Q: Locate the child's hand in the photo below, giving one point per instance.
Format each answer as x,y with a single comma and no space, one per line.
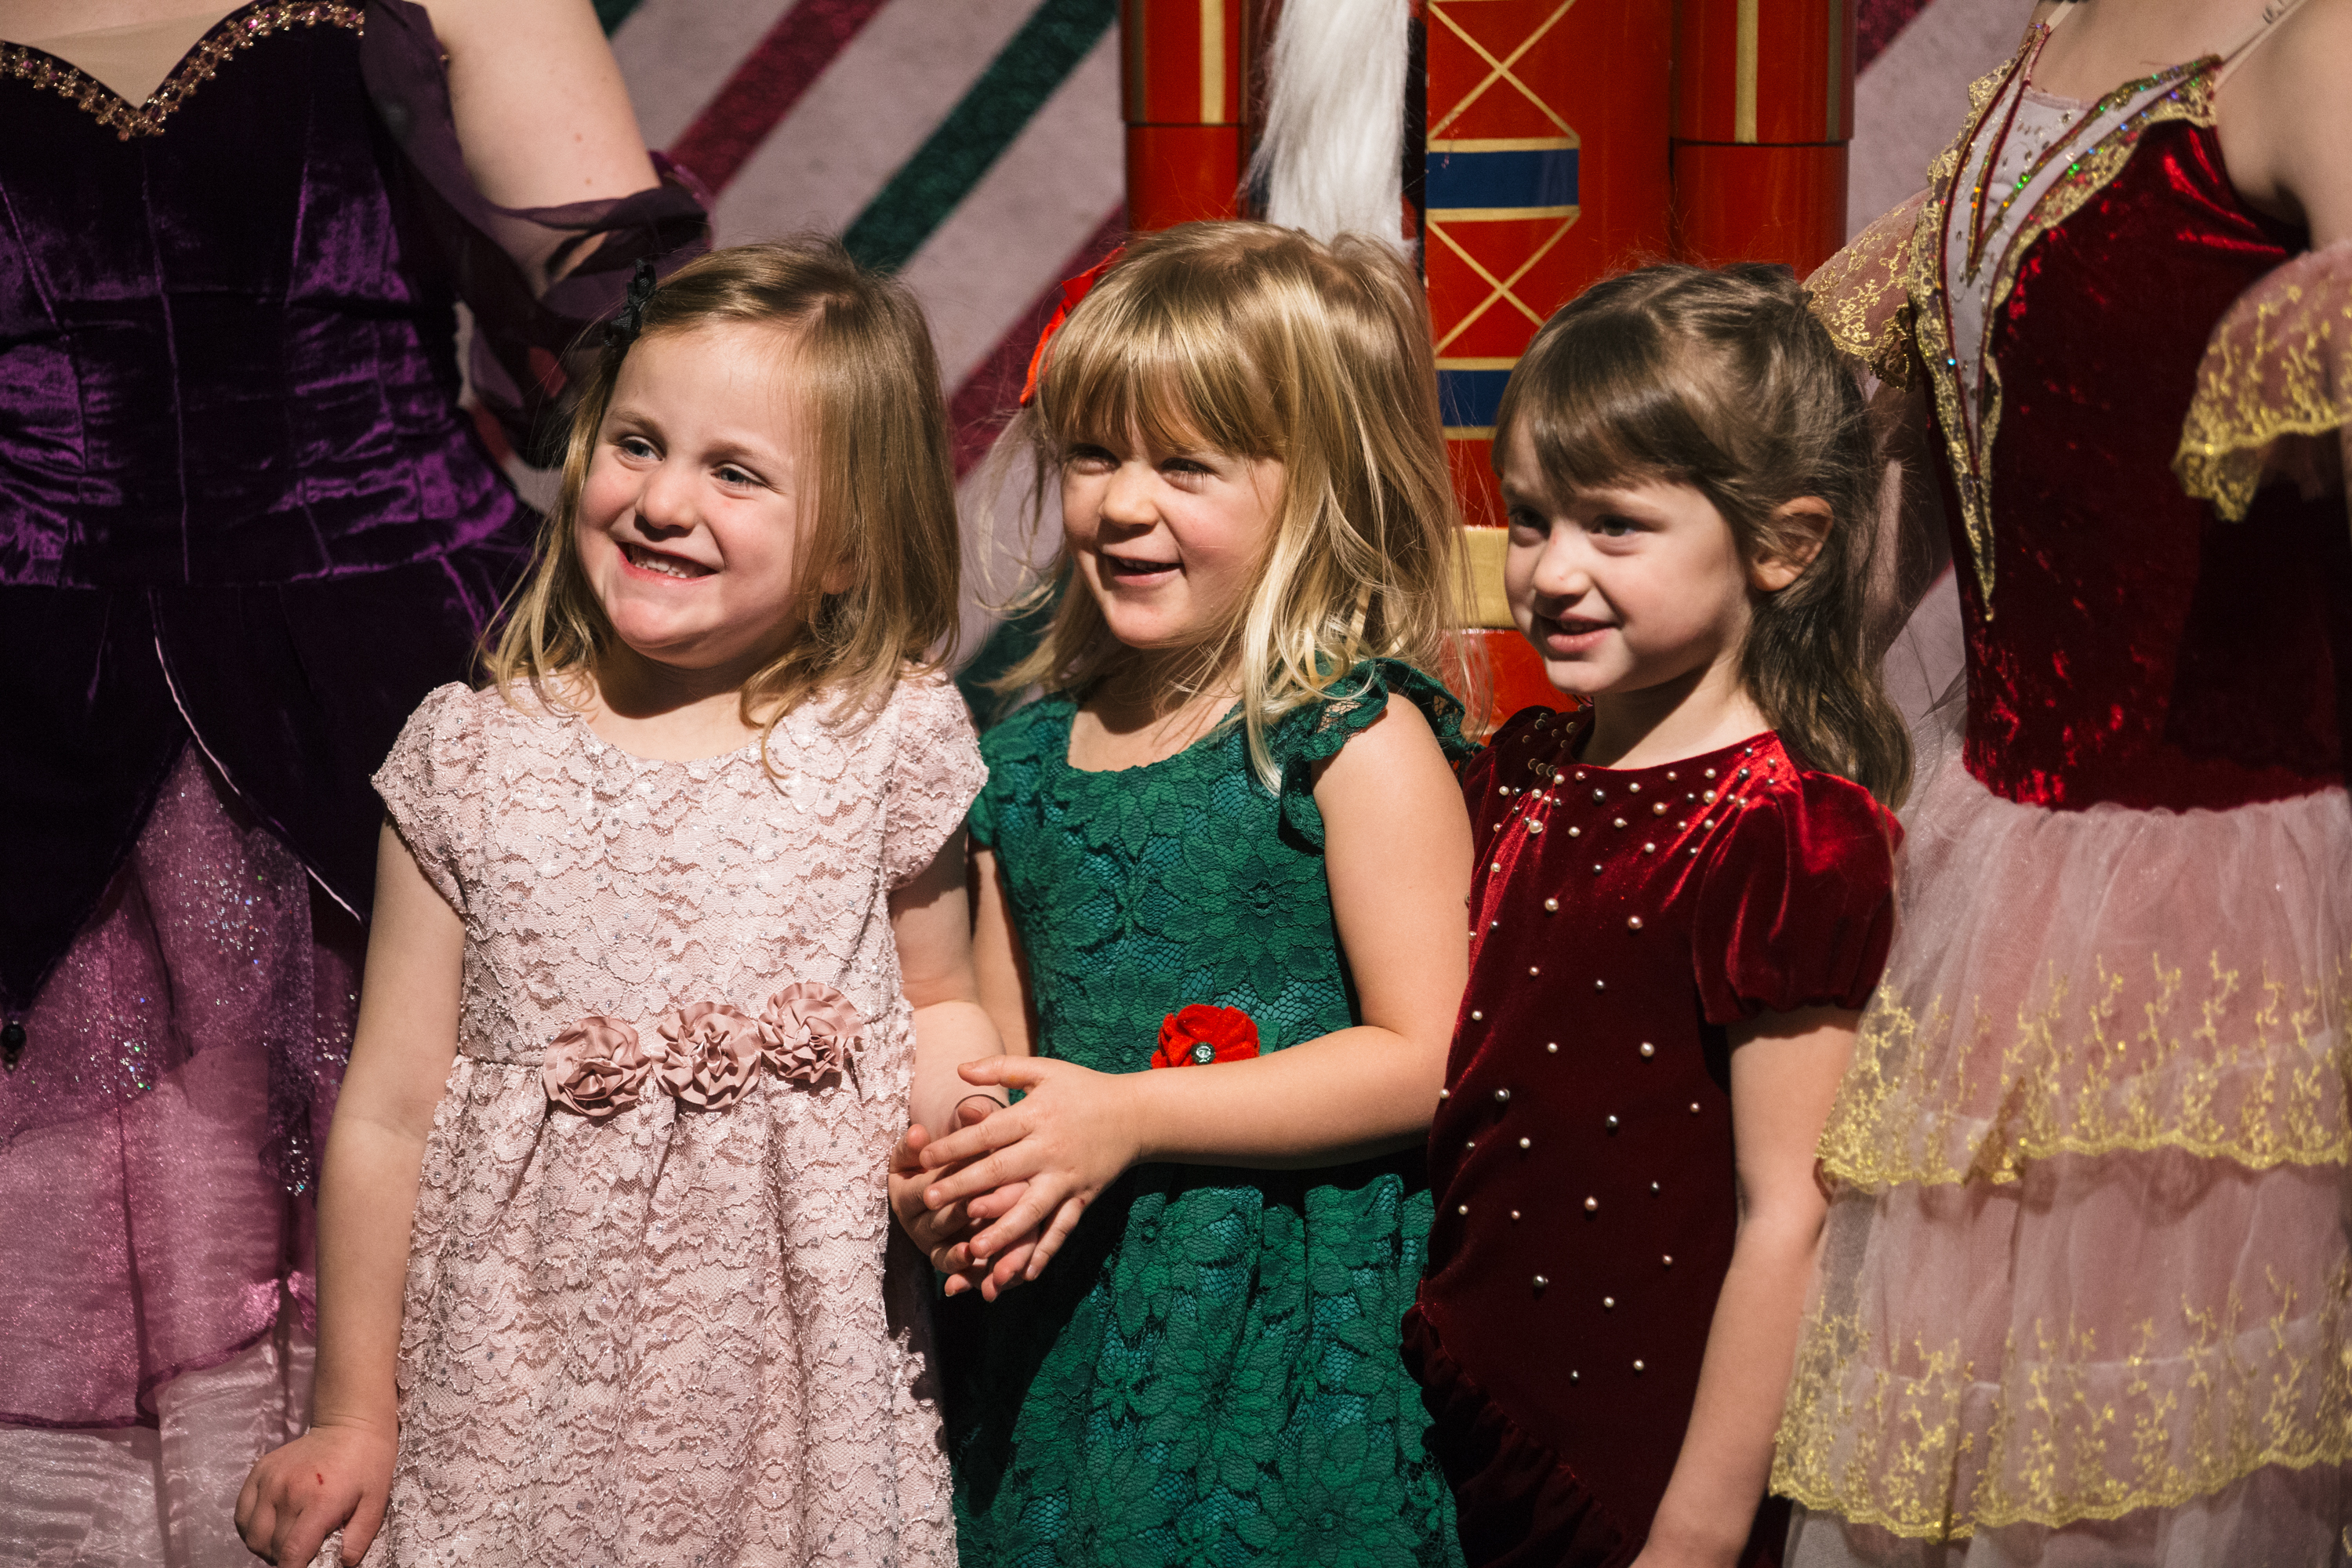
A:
297,1496
1071,1136
940,1233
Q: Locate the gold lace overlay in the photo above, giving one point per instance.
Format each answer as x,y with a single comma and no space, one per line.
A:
2278,365
2087,173
238,30
1859,295
2078,1430
2209,1060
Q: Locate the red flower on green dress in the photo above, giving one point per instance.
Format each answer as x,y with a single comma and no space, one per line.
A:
1200,1034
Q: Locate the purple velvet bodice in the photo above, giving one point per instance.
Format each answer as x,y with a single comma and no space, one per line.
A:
238,495
223,358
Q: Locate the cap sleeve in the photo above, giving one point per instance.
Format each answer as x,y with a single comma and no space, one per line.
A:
1797,908
1315,734
2277,373
427,784
935,773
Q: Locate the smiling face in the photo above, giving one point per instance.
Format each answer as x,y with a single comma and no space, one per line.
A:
1168,542
1624,588
693,522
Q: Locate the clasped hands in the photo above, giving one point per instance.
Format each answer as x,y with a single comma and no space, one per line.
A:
993,1200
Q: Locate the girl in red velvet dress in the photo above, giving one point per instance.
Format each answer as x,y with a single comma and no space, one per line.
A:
2083,1294
1684,894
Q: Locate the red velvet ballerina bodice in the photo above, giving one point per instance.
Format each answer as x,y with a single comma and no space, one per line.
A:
2124,644
1582,1157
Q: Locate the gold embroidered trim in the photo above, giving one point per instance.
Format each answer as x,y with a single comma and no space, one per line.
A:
1859,295
2074,1431
2222,1071
2278,365
2191,98
237,30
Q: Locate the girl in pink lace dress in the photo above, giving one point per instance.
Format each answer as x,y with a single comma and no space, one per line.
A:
670,929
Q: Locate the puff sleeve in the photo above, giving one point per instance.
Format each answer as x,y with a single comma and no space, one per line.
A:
1861,294
429,788
935,773
2276,379
1797,906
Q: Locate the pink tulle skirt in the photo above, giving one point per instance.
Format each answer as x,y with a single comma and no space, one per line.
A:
157,1144
2083,1294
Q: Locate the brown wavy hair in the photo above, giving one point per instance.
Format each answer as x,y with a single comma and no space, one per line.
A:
862,363
1723,380
1262,341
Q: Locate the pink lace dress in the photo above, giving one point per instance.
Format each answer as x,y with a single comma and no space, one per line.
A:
663,1329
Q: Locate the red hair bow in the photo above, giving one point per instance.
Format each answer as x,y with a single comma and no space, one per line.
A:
1073,291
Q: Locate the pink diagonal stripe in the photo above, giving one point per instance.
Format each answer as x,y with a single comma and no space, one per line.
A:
978,409
766,85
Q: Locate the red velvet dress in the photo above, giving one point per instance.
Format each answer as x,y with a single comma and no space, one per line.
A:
2085,1281
1582,1156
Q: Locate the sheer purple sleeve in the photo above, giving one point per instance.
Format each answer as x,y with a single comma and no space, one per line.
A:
535,278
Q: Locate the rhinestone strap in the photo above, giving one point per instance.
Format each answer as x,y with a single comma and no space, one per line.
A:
237,30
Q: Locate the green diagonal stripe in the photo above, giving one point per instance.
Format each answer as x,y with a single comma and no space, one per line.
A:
976,132
613,13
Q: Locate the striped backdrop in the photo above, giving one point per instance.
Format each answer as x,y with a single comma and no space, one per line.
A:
975,146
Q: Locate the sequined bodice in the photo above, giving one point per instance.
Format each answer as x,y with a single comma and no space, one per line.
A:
2124,646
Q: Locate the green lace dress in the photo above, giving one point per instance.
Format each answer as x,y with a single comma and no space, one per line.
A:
1208,1372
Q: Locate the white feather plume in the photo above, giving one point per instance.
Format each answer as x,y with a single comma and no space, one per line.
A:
1332,154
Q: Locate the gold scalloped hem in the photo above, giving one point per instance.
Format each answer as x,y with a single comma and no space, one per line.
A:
1860,295
1917,1107
2061,1440
237,30
2277,367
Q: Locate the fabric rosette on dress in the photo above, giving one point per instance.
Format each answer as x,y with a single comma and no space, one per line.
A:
705,1054
1200,1034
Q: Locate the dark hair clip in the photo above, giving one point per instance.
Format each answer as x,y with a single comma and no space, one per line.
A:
630,319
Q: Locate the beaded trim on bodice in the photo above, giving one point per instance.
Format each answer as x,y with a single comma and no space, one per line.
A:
2046,158
238,30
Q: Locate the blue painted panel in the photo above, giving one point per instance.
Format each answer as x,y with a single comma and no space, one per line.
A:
1469,397
1542,178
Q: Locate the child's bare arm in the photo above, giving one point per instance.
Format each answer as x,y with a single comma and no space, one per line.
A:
1397,847
340,1472
1785,1068
931,920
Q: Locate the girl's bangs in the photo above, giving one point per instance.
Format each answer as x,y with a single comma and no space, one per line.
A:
1602,413
1139,365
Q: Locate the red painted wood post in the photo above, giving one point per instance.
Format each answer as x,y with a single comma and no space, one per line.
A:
1184,95
1763,112
1547,170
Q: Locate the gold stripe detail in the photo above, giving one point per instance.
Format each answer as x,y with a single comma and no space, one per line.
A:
1509,363
1743,97
1485,547
1495,214
1469,432
1132,22
1506,144
1837,98
1213,62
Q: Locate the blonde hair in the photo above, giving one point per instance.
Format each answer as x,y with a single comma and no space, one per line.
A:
1261,342
1723,380
864,370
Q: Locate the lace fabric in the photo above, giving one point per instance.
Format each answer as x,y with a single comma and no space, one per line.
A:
2277,373
668,1334
1209,1372
1861,294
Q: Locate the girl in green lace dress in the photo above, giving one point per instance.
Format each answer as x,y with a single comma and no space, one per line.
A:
1225,844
